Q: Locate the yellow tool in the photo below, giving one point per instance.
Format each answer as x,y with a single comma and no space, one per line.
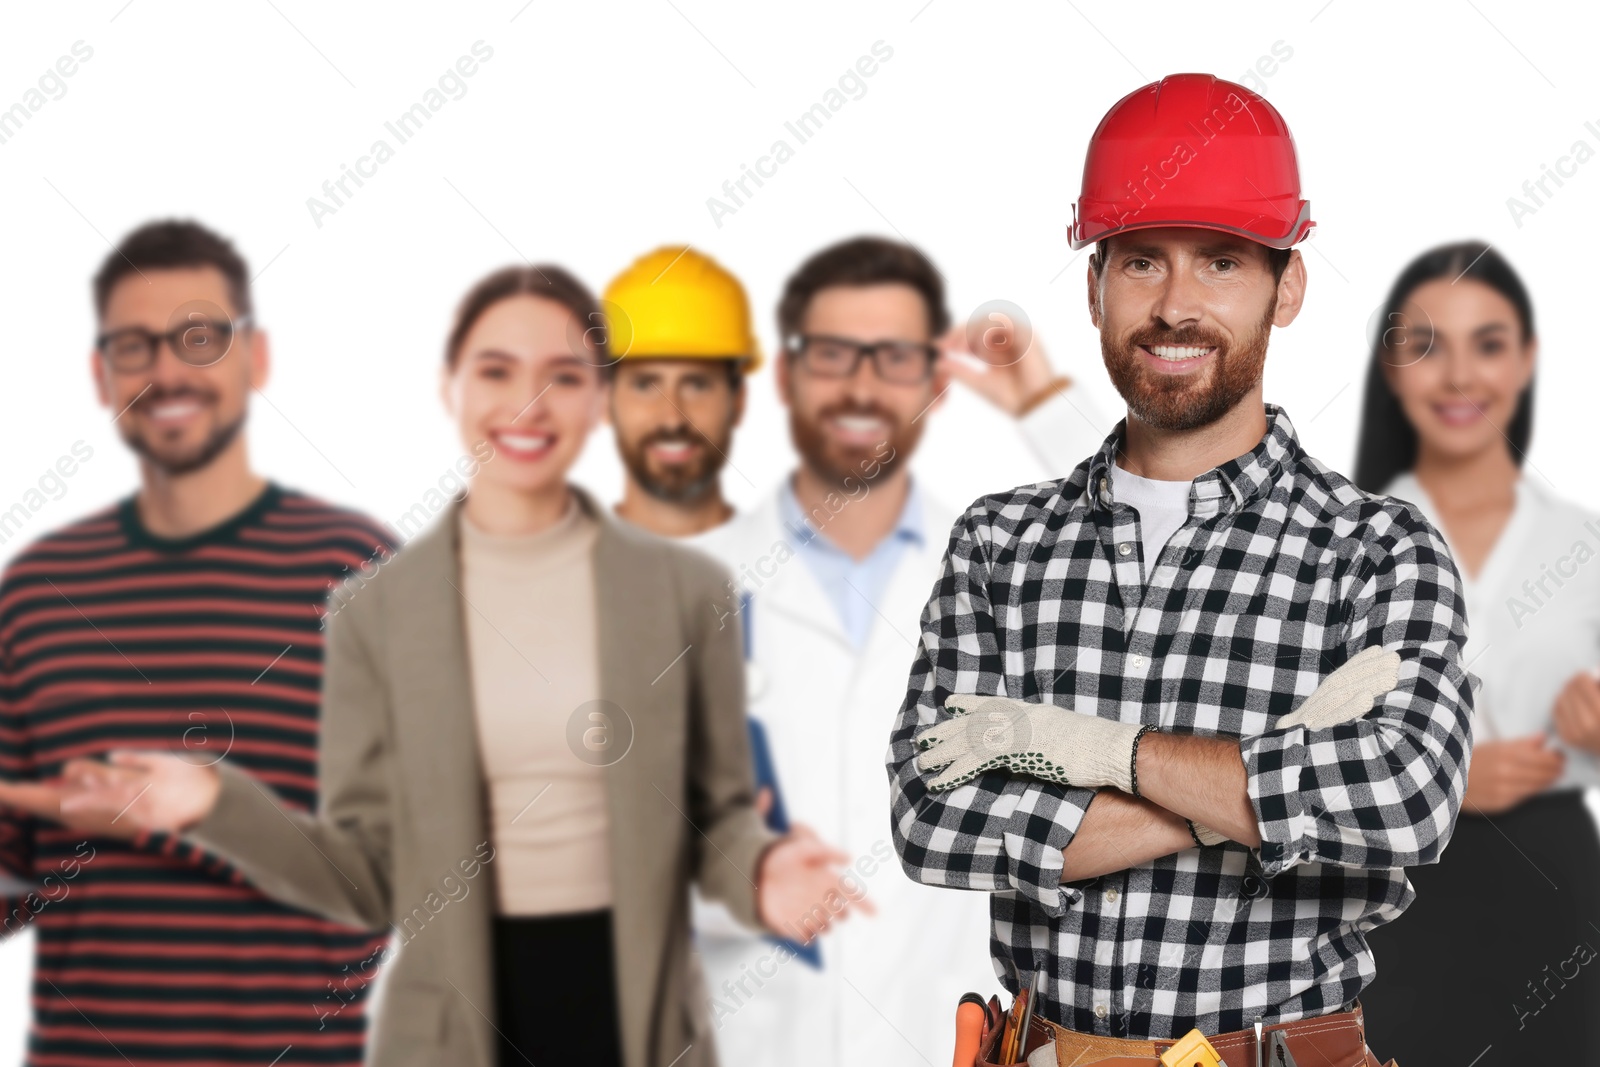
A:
1012,1039
1192,1050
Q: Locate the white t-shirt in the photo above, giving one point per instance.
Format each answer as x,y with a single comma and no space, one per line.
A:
1163,508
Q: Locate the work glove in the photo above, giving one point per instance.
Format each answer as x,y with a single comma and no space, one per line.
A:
1043,741
1060,745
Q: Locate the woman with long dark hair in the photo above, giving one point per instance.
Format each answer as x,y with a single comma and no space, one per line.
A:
1498,940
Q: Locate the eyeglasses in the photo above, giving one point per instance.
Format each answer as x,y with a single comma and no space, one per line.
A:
900,362
199,343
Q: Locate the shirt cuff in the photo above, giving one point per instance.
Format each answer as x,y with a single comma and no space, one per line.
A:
1044,823
1272,766
1059,384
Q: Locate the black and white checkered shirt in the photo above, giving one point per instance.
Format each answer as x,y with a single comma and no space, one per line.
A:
1282,572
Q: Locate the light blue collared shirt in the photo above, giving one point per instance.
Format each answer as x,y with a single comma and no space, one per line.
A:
854,586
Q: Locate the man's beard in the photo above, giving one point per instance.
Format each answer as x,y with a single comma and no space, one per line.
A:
1172,401
683,484
846,466
175,464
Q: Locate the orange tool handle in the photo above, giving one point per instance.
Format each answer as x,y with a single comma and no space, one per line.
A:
971,1020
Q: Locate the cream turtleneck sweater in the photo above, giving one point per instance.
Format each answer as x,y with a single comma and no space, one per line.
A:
533,642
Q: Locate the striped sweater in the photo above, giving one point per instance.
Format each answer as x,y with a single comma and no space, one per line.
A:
153,952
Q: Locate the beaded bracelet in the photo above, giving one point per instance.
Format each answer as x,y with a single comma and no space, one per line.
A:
1133,758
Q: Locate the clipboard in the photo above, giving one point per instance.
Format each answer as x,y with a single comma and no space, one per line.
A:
766,776
777,821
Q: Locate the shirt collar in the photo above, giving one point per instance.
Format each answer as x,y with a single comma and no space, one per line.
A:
134,529
908,527
1239,481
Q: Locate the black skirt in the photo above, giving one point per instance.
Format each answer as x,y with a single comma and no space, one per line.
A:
1501,948
555,991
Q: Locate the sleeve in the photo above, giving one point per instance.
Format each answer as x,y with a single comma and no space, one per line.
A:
1064,429
336,863
1000,832
1382,792
362,545
721,784
17,827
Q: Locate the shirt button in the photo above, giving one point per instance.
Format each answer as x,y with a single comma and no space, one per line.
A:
1099,1011
1111,896
1139,662
1125,549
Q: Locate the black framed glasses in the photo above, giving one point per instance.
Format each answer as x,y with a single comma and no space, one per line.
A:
826,356
200,342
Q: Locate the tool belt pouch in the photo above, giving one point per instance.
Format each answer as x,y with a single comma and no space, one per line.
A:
989,1050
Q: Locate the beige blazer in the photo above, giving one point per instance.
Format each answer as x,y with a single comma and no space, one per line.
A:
401,825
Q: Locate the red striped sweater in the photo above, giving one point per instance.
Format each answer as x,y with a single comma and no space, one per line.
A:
154,952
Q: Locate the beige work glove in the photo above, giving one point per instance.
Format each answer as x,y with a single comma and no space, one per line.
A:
1060,745
1038,740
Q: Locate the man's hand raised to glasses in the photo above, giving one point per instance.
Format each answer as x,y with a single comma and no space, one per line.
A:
1000,359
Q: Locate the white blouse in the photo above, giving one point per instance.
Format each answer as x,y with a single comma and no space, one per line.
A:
1533,615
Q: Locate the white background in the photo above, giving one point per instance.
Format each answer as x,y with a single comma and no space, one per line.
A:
597,132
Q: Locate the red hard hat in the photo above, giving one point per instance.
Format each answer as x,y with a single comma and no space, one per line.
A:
1192,150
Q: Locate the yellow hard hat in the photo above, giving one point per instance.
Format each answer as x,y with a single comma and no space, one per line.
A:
676,303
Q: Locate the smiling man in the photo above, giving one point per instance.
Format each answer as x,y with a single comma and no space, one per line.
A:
1186,714
186,617
682,339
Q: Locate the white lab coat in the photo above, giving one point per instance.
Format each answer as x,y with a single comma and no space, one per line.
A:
889,984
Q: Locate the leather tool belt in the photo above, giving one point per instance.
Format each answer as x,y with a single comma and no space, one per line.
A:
1337,1040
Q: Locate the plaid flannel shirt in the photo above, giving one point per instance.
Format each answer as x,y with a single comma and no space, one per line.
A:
1282,572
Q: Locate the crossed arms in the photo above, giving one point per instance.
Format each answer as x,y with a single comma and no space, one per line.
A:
1381,791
